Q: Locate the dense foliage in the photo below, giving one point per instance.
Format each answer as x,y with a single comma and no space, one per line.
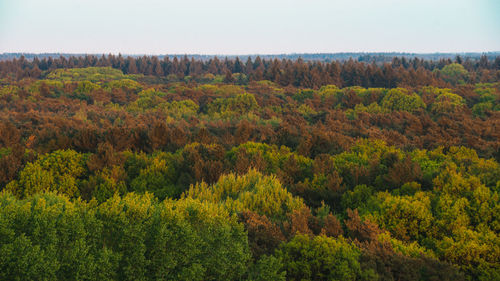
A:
141,169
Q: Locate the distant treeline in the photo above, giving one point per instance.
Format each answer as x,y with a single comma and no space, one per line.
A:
366,71
360,56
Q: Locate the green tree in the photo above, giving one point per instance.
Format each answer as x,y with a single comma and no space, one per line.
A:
454,73
158,177
173,240
267,268
58,171
181,109
401,99
148,99
408,218
228,107
49,237
253,191
322,258
447,102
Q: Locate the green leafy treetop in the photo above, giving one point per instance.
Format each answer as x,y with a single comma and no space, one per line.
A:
454,73
253,191
49,237
322,258
401,99
58,171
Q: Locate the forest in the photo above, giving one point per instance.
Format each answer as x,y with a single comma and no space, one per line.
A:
147,168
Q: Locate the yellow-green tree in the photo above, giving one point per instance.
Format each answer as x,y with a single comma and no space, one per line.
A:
58,171
253,191
322,258
401,99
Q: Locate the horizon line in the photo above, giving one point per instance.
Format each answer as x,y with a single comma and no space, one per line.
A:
254,54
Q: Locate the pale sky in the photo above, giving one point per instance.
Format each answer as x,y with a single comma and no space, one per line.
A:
248,27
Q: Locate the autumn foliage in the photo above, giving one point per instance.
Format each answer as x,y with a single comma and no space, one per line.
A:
118,168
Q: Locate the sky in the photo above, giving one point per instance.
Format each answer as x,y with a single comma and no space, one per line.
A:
236,27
